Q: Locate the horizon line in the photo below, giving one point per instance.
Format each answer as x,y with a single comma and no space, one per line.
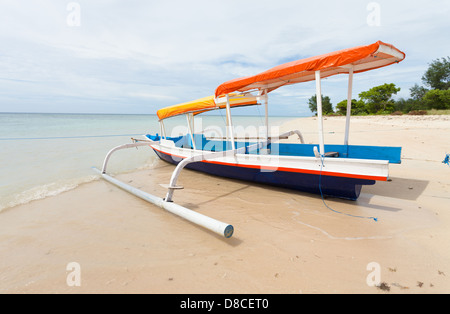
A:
131,114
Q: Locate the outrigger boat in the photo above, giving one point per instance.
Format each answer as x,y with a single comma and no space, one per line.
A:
331,170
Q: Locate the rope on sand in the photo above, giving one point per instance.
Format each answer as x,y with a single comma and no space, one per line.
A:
323,200
446,160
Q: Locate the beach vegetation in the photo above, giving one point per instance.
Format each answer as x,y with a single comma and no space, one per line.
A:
358,107
378,99
418,112
437,75
439,112
433,98
417,92
437,99
327,107
407,105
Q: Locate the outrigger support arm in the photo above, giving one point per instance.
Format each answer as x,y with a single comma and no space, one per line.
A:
300,136
283,136
135,144
175,174
205,156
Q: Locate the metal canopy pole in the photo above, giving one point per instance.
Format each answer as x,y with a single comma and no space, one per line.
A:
160,129
191,132
349,105
163,129
319,112
266,103
230,132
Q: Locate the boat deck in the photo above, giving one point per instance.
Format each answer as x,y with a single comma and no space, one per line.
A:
392,154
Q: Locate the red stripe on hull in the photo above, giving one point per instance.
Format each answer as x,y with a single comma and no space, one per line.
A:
286,169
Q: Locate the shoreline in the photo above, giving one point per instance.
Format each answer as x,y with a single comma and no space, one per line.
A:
284,242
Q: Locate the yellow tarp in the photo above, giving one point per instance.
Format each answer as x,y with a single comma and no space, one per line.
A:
204,104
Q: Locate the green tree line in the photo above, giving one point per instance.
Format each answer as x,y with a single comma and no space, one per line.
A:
378,100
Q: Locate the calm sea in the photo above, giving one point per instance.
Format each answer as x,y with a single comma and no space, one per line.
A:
42,155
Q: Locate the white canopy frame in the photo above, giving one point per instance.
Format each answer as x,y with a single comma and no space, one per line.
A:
349,105
320,108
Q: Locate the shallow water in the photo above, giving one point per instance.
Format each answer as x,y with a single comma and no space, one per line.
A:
45,154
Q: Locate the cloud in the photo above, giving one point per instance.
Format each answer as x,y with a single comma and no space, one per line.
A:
141,55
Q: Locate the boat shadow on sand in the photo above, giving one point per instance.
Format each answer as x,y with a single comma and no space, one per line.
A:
400,188
395,188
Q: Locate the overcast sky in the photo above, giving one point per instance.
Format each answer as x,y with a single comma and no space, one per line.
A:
136,56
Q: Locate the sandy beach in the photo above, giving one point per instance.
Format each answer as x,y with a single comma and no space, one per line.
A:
284,242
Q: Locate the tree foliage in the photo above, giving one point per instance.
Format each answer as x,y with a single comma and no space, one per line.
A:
327,106
438,74
437,77
417,92
437,99
378,99
358,107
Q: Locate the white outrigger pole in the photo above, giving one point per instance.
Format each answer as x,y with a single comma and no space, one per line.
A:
209,223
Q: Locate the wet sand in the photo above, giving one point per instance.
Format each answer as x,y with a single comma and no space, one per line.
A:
284,241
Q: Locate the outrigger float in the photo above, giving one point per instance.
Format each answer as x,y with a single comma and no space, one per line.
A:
331,170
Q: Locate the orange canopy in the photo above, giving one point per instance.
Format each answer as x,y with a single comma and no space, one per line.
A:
205,104
362,58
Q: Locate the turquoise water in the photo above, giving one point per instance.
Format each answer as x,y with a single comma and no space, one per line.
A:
45,154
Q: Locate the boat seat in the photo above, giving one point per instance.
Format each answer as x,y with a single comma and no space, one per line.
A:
329,154
332,154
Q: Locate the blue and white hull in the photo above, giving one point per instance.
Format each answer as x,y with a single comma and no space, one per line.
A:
330,176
